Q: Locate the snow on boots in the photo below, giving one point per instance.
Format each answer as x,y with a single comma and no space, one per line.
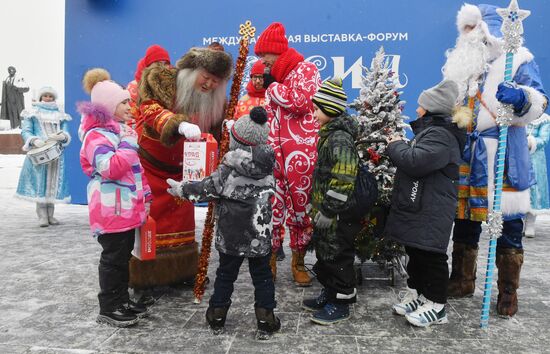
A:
268,323
215,316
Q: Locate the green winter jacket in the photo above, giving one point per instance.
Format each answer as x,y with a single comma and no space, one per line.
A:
334,178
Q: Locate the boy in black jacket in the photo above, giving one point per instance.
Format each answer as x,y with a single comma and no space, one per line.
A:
424,202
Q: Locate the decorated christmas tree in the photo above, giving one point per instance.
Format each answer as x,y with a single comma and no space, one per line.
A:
379,113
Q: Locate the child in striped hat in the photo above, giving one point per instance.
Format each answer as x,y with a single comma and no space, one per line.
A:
334,228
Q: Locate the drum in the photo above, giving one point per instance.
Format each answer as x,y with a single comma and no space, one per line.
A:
45,154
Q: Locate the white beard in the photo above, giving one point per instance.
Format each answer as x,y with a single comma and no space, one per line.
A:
203,108
467,61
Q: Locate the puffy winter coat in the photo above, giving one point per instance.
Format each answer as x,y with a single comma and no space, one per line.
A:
334,179
425,191
243,185
117,191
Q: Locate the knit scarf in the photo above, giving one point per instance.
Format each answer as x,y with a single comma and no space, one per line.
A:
252,92
285,63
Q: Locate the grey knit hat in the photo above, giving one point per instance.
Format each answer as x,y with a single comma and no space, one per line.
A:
250,130
440,98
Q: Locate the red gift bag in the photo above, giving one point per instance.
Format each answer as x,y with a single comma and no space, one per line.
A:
200,158
145,245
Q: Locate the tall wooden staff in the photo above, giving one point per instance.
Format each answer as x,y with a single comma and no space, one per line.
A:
246,31
512,29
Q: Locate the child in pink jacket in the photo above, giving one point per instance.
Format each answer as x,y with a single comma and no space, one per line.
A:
118,194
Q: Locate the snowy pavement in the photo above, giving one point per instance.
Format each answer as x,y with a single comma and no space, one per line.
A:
48,301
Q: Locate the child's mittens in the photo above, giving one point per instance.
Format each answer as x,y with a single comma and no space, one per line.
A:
175,188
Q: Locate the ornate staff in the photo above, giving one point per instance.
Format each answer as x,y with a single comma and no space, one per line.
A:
512,29
246,31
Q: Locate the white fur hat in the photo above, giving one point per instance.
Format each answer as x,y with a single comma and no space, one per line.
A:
468,15
46,89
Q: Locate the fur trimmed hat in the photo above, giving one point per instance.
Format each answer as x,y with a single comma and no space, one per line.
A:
272,40
46,89
250,130
103,91
216,62
440,98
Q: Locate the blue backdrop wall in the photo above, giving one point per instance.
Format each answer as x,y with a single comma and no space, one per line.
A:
339,36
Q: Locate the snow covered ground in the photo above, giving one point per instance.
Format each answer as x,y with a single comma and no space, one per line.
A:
48,301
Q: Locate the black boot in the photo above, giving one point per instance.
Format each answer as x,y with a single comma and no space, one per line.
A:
121,317
215,316
138,309
268,323
145,297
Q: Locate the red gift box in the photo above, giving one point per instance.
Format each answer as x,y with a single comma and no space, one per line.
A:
200,158
145,244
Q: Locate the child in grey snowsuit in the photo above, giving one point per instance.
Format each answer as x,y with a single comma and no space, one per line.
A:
243,186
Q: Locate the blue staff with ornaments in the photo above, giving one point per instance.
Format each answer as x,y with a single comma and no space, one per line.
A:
512,30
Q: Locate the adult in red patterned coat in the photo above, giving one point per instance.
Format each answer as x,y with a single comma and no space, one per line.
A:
291,84
256,91
162,132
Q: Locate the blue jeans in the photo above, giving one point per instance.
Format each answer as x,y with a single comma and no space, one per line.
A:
227,273
468,232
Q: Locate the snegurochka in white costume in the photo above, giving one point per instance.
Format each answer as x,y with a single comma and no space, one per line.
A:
477,64
44,184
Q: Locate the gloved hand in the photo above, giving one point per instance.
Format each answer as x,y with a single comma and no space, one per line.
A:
38,143
322,221
229,123
189,131
59,136
531,143
175,187
509,92
268,80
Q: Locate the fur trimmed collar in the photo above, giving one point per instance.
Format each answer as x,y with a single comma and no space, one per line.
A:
96,116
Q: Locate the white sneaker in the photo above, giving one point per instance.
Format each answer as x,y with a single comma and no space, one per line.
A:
427,315
410,301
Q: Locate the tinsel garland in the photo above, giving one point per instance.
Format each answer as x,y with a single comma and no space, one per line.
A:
208,230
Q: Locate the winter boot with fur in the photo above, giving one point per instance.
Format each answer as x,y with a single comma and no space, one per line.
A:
268,323
509,262
273,265
529,229
42,212
51,219
462,282
215,316
299,272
